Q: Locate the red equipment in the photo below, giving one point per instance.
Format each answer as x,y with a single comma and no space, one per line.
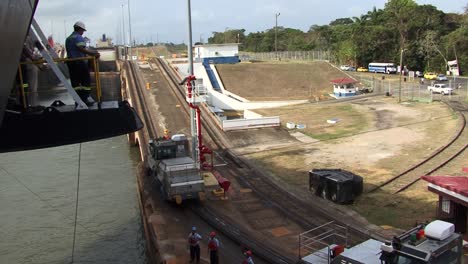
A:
223,182
202,149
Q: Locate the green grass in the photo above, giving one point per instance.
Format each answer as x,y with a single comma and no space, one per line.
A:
351,122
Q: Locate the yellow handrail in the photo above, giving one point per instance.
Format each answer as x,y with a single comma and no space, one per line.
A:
98,79
96,72
22,93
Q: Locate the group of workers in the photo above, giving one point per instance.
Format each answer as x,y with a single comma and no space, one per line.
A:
194,239
79,69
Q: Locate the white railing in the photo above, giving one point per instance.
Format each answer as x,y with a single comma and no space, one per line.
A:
239,124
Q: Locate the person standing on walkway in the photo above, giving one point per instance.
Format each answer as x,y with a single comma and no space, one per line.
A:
213,247
194,244
79,69
31,70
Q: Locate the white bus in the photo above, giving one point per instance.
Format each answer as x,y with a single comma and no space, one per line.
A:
382,67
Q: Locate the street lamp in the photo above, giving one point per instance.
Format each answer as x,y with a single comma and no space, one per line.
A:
276,35
123,24
193,124
225,30
130,29
401,70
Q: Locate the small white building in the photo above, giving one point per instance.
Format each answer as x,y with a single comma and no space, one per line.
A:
344,87
217,53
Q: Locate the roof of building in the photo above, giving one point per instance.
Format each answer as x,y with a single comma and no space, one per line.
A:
217,44
344,80
457,184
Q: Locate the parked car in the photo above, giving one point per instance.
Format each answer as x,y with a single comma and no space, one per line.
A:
344,67
418,74
441,77
430,75
362,69
351,68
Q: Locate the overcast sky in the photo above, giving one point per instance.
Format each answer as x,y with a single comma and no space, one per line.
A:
166,20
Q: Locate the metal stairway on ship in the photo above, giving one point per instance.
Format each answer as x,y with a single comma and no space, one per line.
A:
57,123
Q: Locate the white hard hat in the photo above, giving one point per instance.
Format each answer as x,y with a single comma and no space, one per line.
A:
80,25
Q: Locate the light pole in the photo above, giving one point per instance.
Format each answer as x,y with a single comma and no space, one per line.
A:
130,29
225,30
401,70
276,35
123,24
193,124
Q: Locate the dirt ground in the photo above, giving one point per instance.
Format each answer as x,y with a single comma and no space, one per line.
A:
374,138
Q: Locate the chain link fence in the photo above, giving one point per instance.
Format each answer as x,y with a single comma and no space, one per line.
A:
286,55
413,89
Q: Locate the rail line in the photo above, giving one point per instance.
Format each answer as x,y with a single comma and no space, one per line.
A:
435,169
412,180
304,214
137,84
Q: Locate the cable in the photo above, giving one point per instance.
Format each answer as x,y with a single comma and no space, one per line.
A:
76,203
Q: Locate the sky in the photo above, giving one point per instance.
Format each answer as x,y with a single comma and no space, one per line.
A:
166,21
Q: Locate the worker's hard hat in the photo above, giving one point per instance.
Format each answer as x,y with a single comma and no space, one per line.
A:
213,234
194,228
80,25
166,130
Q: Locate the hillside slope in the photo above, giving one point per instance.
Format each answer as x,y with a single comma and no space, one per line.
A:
279,81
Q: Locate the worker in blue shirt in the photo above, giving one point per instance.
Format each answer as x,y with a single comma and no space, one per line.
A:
194,245
79,69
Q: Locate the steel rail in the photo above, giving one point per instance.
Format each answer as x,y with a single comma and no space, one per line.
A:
434,169
433,155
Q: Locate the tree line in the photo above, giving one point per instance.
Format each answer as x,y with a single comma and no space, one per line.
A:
424,36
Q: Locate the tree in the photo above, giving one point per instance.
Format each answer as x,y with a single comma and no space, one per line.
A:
341,21
400,14
217,38
429,37
252,41
430,47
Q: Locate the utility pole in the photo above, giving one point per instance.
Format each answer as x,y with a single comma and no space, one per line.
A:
401,70
276,35
225,30
130,29
123,27
193,125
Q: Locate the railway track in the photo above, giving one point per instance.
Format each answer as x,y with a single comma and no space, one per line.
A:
137,84
268,193
439,158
